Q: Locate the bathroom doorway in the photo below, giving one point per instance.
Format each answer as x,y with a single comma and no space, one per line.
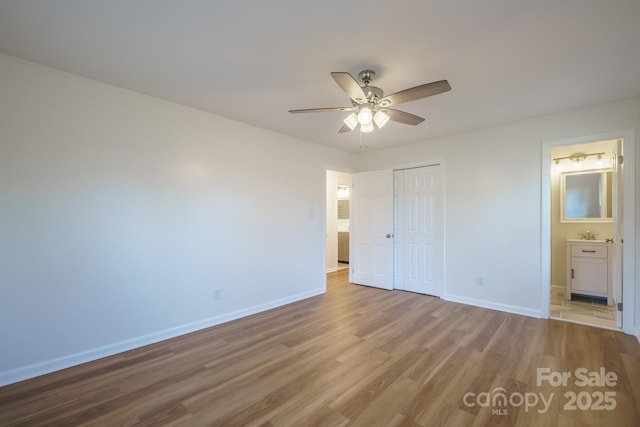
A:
585,239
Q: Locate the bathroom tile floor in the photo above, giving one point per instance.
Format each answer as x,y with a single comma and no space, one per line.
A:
588,312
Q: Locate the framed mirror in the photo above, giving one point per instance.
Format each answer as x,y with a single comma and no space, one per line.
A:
586,196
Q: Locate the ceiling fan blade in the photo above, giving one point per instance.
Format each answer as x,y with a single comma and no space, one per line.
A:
322,110
418,92
403,117
350,86
345,129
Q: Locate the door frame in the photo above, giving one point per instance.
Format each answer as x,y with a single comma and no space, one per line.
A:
628,217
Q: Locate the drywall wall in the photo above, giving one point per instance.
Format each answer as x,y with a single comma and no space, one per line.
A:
493,200
120,214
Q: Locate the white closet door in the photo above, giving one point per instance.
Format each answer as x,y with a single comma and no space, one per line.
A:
422,230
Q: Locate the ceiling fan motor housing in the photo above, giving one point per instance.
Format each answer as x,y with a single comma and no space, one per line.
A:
366,76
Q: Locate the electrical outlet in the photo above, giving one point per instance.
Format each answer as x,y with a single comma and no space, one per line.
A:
217,294
479,281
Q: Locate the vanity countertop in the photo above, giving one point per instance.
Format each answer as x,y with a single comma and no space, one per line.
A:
587,241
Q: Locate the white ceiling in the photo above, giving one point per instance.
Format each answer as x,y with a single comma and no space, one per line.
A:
252,60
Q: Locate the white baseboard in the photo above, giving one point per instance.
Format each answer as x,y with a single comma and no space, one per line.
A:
49,366
638,333
494,306
332,270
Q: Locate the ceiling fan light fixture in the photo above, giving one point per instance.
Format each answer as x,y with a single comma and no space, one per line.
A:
366,128
380,118
365,116
369,107
351,121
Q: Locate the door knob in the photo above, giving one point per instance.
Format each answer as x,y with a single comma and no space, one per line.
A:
388,235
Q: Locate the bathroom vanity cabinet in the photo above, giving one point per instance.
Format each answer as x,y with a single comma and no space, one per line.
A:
590,268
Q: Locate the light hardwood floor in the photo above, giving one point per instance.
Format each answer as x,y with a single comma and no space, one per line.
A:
356,356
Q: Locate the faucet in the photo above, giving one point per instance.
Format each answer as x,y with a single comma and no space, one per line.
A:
588,235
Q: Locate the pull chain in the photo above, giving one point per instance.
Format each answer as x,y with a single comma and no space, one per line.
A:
366,141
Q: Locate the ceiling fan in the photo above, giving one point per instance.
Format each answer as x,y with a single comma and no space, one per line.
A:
370,108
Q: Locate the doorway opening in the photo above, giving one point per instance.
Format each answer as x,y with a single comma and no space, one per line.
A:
343,193
586,216
338,220
625,260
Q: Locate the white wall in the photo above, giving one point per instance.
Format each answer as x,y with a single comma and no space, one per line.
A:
493,200
333,180
121,213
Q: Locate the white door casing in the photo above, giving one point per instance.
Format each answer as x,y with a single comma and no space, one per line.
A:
371,234
618,221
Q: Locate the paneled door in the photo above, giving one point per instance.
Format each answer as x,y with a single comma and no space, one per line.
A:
371,234
420,230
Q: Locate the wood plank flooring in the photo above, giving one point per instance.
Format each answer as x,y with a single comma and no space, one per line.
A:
356,356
